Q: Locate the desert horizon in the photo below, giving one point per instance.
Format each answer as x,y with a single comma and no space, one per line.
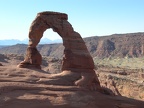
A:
122,79
72,54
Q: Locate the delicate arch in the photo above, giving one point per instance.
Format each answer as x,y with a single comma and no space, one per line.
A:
76,58
76,54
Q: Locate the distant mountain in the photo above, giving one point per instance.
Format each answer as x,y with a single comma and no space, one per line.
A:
2,46
15,41
10,42
48,41
116,45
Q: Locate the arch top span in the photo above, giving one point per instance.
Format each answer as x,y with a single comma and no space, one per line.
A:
59,15
76,57
48,19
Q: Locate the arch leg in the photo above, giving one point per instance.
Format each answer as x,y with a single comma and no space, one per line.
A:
33,58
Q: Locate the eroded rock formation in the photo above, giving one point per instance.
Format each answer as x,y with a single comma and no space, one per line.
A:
77,60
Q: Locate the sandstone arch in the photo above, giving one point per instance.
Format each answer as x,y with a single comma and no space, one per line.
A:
77,61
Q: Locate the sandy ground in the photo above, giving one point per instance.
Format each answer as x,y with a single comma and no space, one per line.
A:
23,88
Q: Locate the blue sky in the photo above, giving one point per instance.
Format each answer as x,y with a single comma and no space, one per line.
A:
88,17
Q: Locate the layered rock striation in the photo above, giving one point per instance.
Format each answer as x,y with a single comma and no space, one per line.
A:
76,59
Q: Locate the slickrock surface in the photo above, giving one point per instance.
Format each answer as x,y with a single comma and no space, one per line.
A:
30,88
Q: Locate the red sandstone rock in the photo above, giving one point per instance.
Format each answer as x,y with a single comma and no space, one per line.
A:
76,55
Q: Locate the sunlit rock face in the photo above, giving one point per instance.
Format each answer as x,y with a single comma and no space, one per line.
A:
76,57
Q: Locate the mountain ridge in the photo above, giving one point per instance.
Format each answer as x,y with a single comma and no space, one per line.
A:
25,41
116,45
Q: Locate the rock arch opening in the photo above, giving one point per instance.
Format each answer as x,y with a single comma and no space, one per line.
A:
77,62
53,44
52,36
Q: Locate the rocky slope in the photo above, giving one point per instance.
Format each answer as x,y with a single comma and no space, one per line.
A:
119,45
29,88
119,81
